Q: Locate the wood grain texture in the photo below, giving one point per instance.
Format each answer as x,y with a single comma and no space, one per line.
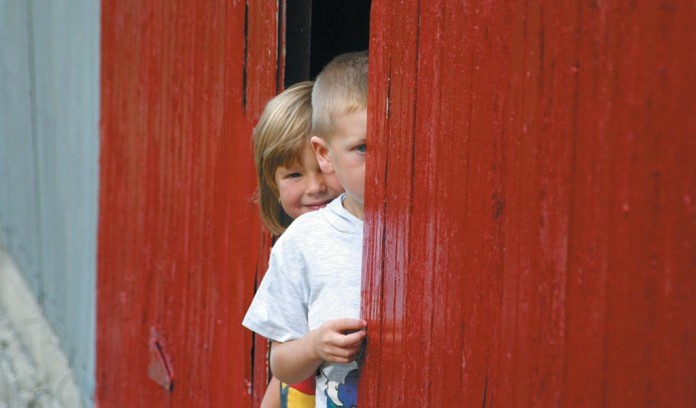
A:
530,225
530,218
180,239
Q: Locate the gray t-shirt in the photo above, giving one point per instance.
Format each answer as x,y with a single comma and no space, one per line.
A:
313,276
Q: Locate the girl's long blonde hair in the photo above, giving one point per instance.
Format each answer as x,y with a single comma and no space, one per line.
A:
280,138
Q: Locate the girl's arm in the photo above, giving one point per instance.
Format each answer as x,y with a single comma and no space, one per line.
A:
271,399
336,341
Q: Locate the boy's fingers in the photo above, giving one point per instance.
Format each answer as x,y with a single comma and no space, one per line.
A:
353,338
342,355
346,324
349,340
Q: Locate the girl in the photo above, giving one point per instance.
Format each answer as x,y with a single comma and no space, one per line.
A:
290,184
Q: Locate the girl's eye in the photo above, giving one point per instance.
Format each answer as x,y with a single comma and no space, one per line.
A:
295,174
361,148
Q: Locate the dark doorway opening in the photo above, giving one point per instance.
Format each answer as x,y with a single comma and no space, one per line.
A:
317,31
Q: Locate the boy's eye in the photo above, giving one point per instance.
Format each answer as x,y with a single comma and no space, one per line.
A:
361,148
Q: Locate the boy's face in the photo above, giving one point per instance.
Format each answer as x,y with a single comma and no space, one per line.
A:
344,155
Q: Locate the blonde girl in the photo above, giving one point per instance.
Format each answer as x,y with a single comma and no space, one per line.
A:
290,184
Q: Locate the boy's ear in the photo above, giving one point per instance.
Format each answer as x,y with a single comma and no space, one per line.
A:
322,152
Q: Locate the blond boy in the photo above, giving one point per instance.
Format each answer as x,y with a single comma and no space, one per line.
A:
309,301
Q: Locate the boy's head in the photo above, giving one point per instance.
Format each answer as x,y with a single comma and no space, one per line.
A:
339,124
290,181
340,88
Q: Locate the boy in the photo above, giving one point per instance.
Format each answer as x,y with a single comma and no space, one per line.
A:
308,303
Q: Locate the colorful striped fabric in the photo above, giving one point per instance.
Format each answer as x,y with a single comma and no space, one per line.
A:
300,395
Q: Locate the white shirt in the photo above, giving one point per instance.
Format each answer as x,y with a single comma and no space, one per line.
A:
313,276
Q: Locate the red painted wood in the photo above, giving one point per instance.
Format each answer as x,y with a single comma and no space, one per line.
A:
530,217
179,238
530,203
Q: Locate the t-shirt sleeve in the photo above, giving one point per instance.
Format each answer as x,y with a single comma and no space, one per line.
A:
279,310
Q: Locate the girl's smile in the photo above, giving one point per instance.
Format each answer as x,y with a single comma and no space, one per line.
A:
303,187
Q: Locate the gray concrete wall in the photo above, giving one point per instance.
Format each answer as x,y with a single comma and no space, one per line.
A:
49,143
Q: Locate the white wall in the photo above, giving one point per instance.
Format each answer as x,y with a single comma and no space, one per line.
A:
49,143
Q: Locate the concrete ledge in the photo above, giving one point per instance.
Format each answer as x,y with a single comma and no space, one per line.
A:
35,332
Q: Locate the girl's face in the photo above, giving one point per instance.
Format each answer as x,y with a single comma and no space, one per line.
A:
303,187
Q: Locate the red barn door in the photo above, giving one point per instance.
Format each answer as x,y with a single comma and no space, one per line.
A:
179,236
531,216
530,226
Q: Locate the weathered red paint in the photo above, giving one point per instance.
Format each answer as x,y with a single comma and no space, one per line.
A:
179,238
160,369
530,216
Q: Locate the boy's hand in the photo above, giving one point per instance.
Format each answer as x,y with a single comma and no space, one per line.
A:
339,340
335,341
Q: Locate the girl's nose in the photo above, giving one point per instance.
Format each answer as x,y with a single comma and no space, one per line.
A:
316,184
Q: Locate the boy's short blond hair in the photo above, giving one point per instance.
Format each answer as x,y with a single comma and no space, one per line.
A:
340,88
280,138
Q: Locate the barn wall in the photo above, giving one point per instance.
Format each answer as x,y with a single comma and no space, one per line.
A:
179,238
530,216
530,220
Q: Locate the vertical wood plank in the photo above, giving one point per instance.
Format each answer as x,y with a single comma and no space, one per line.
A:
536,248
179,233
